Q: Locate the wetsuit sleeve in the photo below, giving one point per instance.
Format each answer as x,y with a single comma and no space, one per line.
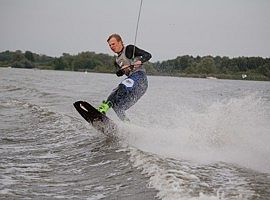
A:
144,55
119,72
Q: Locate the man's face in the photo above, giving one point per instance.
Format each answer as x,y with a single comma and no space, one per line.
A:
115,46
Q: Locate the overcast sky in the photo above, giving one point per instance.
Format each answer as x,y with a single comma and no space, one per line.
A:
167,28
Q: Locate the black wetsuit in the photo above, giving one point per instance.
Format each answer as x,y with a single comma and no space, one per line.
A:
131,89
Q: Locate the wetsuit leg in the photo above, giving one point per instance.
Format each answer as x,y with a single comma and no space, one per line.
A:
128,93
117,98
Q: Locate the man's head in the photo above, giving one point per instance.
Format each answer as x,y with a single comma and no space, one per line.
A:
116,43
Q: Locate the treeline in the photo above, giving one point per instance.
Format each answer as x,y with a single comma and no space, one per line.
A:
252,68
255,68
83,61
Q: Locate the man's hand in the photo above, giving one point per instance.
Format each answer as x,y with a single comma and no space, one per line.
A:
137,64
128,68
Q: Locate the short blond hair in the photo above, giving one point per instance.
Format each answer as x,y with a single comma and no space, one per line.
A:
116,36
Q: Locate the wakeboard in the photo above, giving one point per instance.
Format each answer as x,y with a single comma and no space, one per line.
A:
98,120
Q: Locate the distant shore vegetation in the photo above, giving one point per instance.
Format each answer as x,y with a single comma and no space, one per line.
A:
249,68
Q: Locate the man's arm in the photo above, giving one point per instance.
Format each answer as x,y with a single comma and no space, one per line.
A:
119,71
144,55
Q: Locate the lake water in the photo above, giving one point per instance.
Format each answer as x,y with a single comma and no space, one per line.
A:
188,139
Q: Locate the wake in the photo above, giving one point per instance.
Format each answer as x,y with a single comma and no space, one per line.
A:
231,131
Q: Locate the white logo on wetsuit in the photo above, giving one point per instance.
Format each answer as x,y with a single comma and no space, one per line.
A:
128,82
121,64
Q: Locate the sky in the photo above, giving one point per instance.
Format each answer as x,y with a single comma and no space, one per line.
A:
167,28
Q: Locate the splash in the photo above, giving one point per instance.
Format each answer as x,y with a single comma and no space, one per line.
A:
234,131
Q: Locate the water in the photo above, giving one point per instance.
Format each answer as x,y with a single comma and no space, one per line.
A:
189,139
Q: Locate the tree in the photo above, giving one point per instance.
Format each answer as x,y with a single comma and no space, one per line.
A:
207,66
6,56
182,62
59,64
24,63
18,56
265,70
29,56
68,61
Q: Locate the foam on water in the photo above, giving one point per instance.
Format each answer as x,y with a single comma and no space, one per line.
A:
234,131
183,180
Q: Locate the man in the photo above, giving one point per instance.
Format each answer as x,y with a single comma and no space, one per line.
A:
129,62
